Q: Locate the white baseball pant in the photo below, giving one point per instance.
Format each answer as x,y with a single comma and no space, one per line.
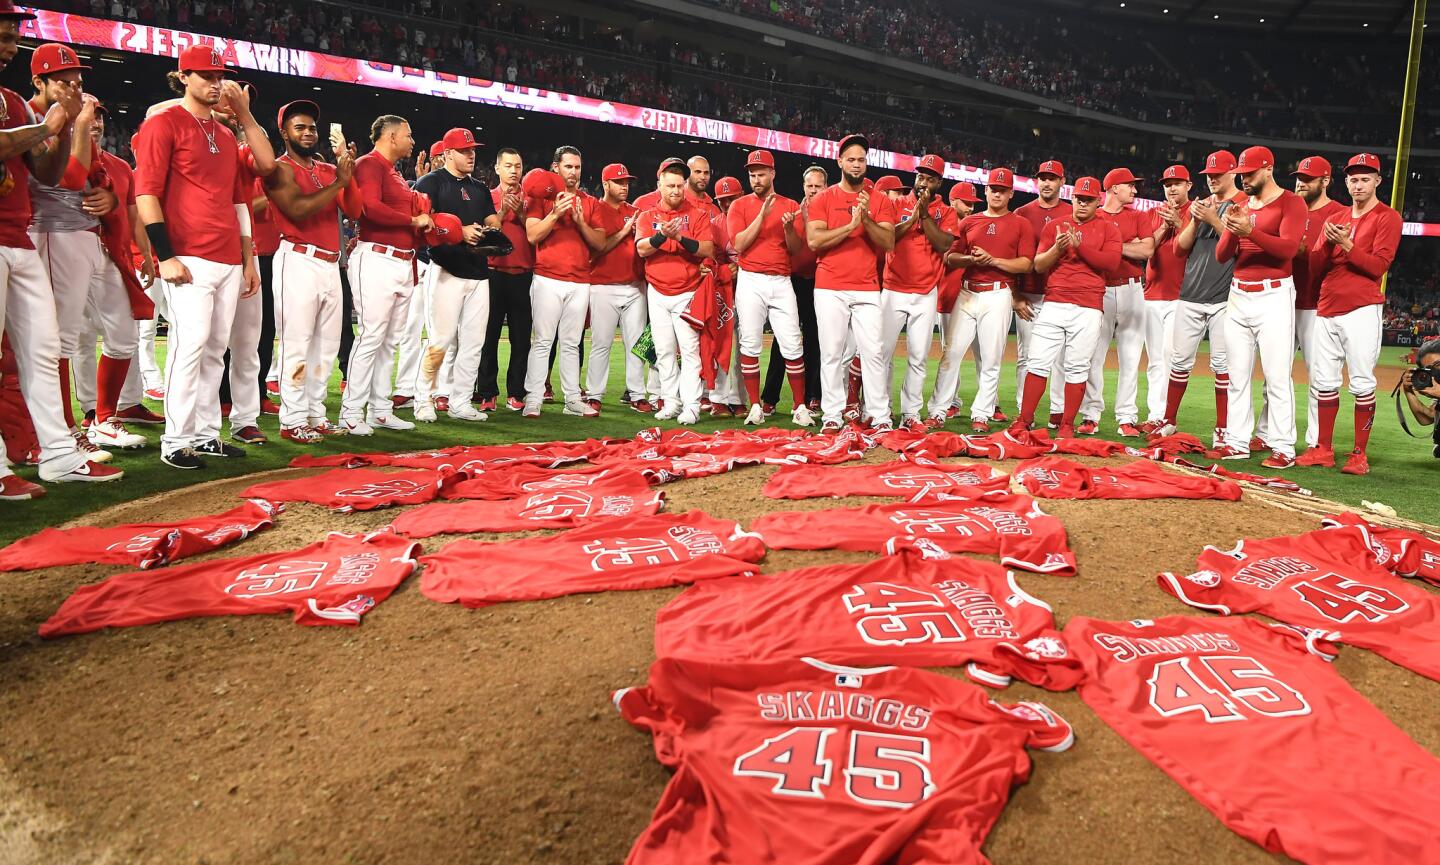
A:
1063,335
1305,320
1159,324
1264,320
1124,318
981,317
152,375
381,286
1351,340
612,306
27,308
916,314
203,312
759,296
84,369
308,307
412,344
244,366
1023,329
84,278
841,315
457,312
728,380
557,312
1189,325
677,349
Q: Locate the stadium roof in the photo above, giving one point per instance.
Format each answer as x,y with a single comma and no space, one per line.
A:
1360,17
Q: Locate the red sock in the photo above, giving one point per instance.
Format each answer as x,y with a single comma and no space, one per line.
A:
65,393
1222,399
1179,378
852,385
795,371
1034,390
1074,395
1364,419
1328,403
109,381
750,371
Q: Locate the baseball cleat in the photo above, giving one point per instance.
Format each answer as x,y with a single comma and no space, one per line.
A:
326,428
1129,431
218,448
1225,452
625,398
830,426
852,412
488,404
768,408
14,488
1055,418
999,416
1018,429
467,412
669,412
756,415
357,427
185,458
549,393
802,416
881,428
593,403
302,435
390,421
112,433
1165,429
720,409
90,473
1317,456
952,411
515,403
398,402
1258,444
580,408
1065,431
155,393
441,403
979,426
139,414
935,421
1357,464
425,412
268,406
92,451
1088,428
272,388
643,406
249,435
88,420
687,417
1150,426
1278,461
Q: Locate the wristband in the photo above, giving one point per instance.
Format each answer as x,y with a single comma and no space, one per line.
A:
159,241
690,244
657,240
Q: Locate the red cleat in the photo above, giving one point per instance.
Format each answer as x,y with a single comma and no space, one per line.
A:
1357,464
1129,431
1088,428
488,405
1225,452
595,404
1065,431
1055,421
1317,456
1258,445
1150,426
514,404
139,414
442,403
268,407
272,388
14,488
397,401
999,416
1018,429
1278,461
979,426
952,411
643,406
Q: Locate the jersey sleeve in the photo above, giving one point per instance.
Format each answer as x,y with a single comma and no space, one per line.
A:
1044,549
370,176
1027,239
153,147
1045,729
884,211
1373,262
738,218
948,221
670,702
1203,590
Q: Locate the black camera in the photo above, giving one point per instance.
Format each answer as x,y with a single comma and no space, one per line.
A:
1422,377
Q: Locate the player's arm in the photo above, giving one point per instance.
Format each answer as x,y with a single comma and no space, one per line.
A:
153,152
822,238
881,234
1228,247
744,236
794,223
593,236
1286,242
24,140
282,190
255,137
1105,258
1046,260
649,244
940,239
47,160
370,177
1185,238
1373,262
614,240
1139,248
539,228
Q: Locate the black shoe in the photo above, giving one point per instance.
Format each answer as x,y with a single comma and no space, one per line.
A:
217,448
185,458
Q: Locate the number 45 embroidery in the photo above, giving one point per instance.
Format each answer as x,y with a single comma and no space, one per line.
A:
882,769
1178,686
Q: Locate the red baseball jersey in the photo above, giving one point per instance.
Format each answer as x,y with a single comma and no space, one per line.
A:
560,508
1412,554
672,270
193,167
1162,447
1315,256
800,762
1250,720
143,545
1166,268
1008,236
932,444
509,482
1332,579
332,582
320,229
918,608
1039,216
1352,279
1132,224
826,449
621,264
563,254
1079,277
15,208
1270,249
1010,526
458,458
851,264
1059,478
768,253
647,553
389,204
913,266
952,279
346,490
905,477
513,225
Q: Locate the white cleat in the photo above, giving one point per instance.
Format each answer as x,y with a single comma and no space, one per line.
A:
669,412
92,451
357,427
756,415
425,412
802,416
1169,429
688,417
390,421
580,408
112,433
463,410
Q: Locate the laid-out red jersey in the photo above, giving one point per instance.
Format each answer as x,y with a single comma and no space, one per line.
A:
620,265
1079,276
769,252
916,608
562,508
905,477
850,265
1132,224
1039,216
1274,240
457,458
509,482
1314,257
1166,268
143,545
1010,526
1007,236
346,490
1332,579
193,167
1352,279
1250,720
1059,478
672,270
913,266
646,553
800,762
563,254
1412,554
331,582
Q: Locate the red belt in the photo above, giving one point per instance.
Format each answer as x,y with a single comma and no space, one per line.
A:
316,252
394,252
985,286
1259,285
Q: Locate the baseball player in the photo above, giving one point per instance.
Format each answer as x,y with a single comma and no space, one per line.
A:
672,239
1204,291
413,340
924,233
996,247
559,228
616,295
723,399
651,199
847,228
305,193
802,279
188,166
27,305
1359,246
510,277
1049,178
1078,255
1163,274
1124,309
456,289
697,183
65,227
1263,237
765,236
382,276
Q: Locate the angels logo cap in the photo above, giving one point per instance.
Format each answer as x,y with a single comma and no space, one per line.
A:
458,138
1087,187
727,187
964,191
1363,162
1051,166
1312,166
202,58
1219,162
53,57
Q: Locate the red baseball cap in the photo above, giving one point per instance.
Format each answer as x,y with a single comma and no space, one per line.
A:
963,191
299,106
54,57
1362,162
8,12
1254,159
1088,187
447,231
615,171
1219,162
931,164
541,183
437,149
889,182
852,138
867,184
1312,166
202,58
1001,178
762,158
459,138
1176,172
728,187
1119,175
669,161
1051,166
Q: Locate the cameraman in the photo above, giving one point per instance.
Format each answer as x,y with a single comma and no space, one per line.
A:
1427,358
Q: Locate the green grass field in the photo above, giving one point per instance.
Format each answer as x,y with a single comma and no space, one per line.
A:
1402,470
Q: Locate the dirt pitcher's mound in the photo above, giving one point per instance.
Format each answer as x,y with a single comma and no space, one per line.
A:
436,734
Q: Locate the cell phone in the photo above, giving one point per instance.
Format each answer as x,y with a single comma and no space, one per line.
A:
337,136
